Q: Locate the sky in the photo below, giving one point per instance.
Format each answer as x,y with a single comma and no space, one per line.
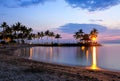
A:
65,16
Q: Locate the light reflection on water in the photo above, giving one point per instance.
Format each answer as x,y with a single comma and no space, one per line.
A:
91,57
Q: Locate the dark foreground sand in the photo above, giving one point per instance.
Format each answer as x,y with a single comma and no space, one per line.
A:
13,68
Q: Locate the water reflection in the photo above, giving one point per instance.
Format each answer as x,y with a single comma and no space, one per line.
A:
94,59
31,53
80,56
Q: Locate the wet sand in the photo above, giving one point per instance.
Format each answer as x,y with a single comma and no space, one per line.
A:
13,68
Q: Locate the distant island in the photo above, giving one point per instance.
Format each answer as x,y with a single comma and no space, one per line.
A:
20,34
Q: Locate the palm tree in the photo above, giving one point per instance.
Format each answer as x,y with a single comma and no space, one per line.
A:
8,32
79,35
58,36
42,35
76,35
16,28
93,34
51,34
38,36
27,32
30,36
47,33
4,26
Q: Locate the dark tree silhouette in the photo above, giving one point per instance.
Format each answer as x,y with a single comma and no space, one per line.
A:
58,36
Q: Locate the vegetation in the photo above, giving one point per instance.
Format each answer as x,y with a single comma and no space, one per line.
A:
18,33
82,37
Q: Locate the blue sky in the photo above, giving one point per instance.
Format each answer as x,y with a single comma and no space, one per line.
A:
56,15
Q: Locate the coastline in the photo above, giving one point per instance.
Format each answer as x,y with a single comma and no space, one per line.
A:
19,69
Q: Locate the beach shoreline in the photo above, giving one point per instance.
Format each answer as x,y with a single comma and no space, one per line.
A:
19,69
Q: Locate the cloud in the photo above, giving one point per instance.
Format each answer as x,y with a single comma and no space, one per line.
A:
21,3
93,5
96,20
73,27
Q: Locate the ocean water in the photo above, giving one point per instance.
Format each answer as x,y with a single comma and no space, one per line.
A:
96,57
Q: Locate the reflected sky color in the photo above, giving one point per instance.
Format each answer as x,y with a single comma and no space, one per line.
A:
105,57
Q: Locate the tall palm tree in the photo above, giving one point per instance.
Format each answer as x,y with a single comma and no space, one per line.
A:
8,32
16,29
42,35
58,36
47,33
51,34
76,36
27,32
38,36
79,35
93,34
4,26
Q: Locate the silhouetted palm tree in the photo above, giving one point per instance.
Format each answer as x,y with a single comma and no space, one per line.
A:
58,36
4,26
42,35
93,34
8,32
79,35
76,36
16,29
38,36
47,33
51,34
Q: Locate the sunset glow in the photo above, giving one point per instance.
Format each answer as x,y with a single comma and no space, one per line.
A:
94,59
93,39
55,15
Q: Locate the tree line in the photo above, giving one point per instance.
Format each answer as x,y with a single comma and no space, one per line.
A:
18,33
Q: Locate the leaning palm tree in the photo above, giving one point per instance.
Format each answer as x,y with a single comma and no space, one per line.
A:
58,36
76,36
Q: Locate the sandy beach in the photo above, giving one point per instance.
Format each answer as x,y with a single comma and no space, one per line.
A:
13,68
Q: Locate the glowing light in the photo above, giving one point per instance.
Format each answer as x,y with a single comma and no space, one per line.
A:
94,59
83,47
94,39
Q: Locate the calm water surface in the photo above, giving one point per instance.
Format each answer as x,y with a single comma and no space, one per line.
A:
106,56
